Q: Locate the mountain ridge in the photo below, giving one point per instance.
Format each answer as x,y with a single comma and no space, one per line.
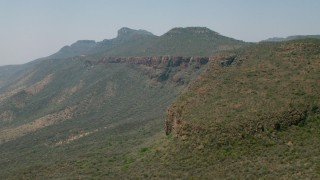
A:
131,42
289,38
125,31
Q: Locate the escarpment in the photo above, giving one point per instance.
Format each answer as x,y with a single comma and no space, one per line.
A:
267,126
154,61
178,69
257,92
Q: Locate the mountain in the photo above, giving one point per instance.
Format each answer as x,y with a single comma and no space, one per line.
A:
188,104
85,47
126,34
78,48
190,41
254,113
289,38
90,107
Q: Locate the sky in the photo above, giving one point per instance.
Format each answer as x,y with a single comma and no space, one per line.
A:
32,29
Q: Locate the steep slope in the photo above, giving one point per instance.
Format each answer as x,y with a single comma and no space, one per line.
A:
100,106
255,113
274,80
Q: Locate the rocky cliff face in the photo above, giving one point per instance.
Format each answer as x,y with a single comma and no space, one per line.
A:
152,61
177,69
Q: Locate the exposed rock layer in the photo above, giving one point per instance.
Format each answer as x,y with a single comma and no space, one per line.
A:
153,61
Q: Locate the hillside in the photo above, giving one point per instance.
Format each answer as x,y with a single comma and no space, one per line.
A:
268,80
84,111
64,104
188,104
254,113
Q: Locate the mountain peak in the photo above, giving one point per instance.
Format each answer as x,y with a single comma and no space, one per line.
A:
81,43
125,31
195,30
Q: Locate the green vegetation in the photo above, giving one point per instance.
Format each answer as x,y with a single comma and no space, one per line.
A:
253,112
266,84
115,111
66,118
256,118
293,153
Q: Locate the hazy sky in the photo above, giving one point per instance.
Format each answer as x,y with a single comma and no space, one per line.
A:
30,29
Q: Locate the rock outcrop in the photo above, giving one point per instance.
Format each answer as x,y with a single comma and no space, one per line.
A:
153,61
178,69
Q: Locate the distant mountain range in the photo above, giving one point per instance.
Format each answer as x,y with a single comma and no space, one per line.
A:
289,38
191,41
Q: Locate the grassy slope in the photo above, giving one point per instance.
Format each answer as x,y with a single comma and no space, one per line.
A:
119,118
265,82
289,152
117,110
128,140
